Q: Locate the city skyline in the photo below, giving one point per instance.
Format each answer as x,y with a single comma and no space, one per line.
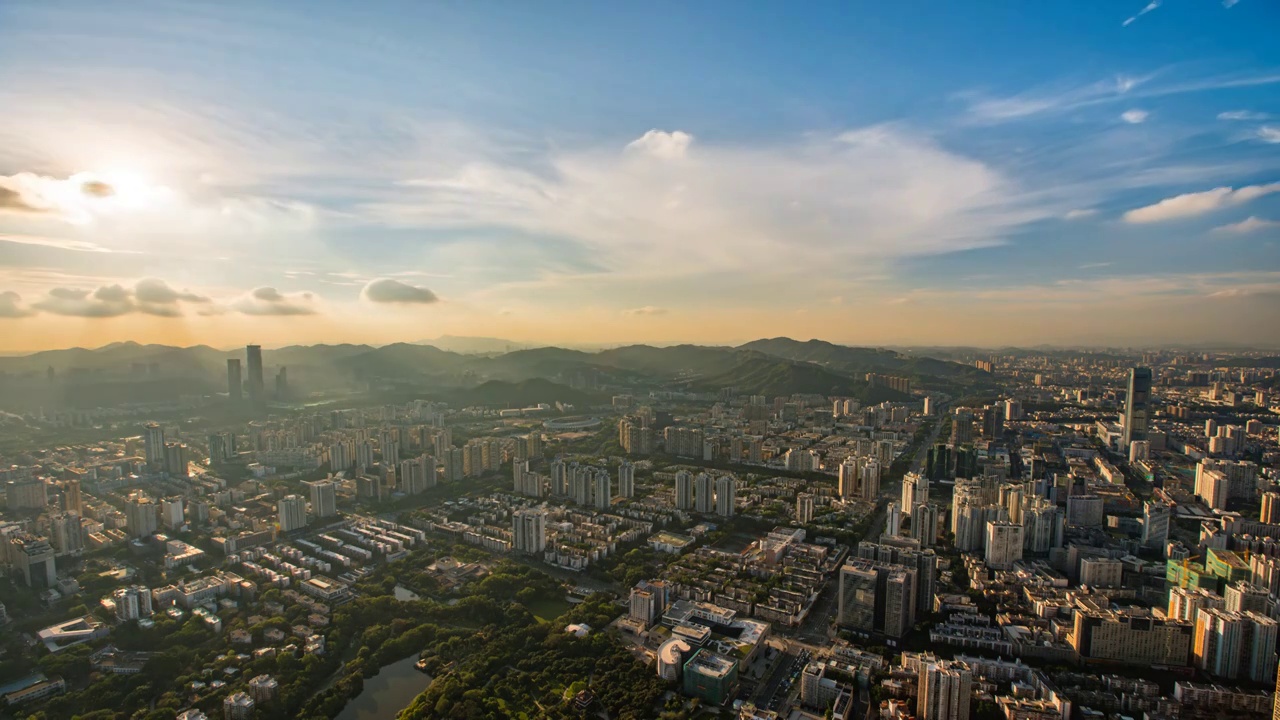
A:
908,175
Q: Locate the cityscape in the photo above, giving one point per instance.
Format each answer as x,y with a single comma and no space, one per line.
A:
712,360
1010,534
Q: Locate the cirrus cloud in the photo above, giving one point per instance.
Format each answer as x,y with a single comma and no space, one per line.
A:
1198,203
270,301
1134,117
387,290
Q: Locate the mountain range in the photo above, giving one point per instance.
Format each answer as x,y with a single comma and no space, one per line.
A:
776,366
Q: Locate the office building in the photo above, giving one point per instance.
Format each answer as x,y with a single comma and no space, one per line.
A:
235,383
712,677
944,691
292,511
529,531
324,497
1137,406
153,446
33,557
256,386
726,495
704,500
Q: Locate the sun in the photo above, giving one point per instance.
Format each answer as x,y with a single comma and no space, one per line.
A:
118,189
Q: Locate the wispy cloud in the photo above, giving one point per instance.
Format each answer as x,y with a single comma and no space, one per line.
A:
1095,266
58,243
1248,225
1150,7
1198,203
1228,4
1134,117
1080,214
1243,115
1269,134
646,310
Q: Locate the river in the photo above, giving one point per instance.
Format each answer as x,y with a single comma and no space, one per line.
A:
387,693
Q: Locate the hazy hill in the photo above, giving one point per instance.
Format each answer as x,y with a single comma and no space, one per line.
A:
526,393
859,361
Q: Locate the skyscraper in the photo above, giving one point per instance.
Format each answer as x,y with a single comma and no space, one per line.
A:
254,360
1137,405
235,383
626,479
604,490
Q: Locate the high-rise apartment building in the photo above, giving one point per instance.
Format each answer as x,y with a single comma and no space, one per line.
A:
847,484
626,479
1137,406
877,597
726,495
66,532
171,512
26,494
292,512
1270,508
603,490
704,500
684,490
529,530
944,691
1155,523
324,497
915,490
72,501
153,446
804,508
141,516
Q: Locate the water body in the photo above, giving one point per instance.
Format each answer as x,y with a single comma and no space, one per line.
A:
387,693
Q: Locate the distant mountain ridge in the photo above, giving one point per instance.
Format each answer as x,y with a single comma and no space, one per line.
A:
775,366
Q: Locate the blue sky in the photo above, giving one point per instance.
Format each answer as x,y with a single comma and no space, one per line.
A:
906,173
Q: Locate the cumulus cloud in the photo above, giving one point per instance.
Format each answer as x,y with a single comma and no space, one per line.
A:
1269,134
646,310
1134,117
1242,115
1248,225
1150,7
1198,203
106,302
269,301
11,306
664,203
149,296
387,290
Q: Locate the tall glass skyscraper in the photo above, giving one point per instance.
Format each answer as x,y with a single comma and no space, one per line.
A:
1137,406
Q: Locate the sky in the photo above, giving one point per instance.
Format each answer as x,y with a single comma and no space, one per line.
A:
993,172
